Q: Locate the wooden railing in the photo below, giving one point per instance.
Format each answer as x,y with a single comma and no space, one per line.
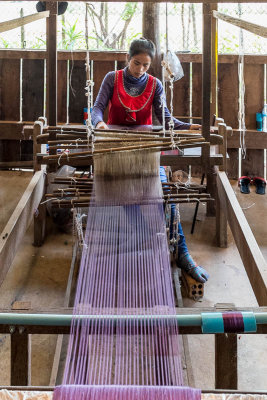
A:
22,88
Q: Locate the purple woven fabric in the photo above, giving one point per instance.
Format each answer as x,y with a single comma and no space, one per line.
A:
128,346
126,392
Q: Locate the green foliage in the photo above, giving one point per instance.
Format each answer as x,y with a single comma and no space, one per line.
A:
71,36
229,44
39,44
128,11
4,43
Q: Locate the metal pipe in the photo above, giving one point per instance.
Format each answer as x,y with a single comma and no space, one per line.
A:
65,319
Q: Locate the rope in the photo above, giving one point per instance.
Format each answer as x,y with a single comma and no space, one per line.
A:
241,116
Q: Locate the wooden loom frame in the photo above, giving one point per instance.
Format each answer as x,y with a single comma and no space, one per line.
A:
254,263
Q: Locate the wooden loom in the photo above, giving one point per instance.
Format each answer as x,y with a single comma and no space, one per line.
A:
251,255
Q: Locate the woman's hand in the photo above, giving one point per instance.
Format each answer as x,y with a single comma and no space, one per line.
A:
195,127
101,125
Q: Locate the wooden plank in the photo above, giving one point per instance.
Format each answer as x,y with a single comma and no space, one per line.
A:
77,100
253,260
100,70
197,90
221,225
181,95
10,151
170,160
10,105
26,150
15,130
17,22
232,164
253,139
248,26
226,361
254,93
20,358
228,94
51,64
19,221
16,164
32,89
121,56
175,1
253,164
62,91
9,90
228,107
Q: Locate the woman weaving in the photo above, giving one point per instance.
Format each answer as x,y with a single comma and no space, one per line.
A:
131,93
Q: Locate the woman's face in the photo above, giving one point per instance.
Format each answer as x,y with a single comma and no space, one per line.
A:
139,64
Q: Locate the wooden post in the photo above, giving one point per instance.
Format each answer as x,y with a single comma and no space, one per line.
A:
37,130
214,62
226,376
51,63
206,101
221,219
151,31
39,230
223,147
221,223
20,358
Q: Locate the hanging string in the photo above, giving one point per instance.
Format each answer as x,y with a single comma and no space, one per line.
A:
88,88
241,114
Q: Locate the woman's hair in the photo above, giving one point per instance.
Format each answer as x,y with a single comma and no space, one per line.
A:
142,45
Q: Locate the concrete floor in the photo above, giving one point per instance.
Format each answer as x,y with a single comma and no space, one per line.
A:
39,275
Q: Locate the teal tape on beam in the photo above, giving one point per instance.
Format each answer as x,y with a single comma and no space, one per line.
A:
249,319
212,322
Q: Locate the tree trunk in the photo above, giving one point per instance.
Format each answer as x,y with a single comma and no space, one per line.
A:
151,31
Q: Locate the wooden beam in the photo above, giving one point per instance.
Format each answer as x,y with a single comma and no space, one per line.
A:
20,358
253,139
248,26
19,221
16,164
175,1
253,260
226,361
15,23
121,56
13,130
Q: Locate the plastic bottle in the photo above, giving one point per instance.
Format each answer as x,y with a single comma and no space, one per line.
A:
264,118
259,121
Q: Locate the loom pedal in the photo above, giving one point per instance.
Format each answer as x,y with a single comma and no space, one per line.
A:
193,289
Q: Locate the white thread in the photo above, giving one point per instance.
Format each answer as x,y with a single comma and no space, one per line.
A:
59,158
46,201
246,208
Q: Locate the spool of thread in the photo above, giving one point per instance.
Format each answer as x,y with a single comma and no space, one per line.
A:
259,121
85,115
264,118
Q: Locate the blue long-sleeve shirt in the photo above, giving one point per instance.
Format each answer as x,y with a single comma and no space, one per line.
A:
134,87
